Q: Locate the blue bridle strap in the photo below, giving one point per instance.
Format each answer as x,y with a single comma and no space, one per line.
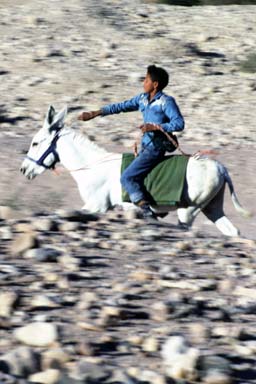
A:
51,149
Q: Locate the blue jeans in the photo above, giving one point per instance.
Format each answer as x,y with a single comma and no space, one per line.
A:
133,176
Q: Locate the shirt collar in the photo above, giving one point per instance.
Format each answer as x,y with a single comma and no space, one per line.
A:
157,96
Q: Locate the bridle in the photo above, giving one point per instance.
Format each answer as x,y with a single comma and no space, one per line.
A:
50,150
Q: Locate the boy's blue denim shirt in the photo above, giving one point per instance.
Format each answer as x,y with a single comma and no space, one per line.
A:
162,110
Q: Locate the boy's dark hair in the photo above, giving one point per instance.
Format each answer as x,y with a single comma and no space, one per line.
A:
158,74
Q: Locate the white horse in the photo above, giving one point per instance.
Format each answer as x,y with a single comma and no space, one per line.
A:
97,173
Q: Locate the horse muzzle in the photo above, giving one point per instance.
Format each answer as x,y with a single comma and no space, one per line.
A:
30,174
29,170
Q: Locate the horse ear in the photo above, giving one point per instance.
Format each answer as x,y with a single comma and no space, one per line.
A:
61,115
49,117
58,121
50,114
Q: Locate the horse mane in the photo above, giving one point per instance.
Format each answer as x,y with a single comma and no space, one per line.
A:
81,140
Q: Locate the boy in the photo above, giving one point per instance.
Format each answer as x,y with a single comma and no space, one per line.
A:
160,114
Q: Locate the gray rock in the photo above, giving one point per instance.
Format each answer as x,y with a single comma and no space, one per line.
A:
54,358
110,316
122,377
8,379
69,262
45,225
213,364
91,373
7,303
87,300
43,254
199,332
161,310
69,226
5,323
85,348
24,242
22,361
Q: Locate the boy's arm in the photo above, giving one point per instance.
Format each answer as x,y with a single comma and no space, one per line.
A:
172,111
125,106
110,109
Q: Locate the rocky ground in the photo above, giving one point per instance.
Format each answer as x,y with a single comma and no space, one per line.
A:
111,299
83,301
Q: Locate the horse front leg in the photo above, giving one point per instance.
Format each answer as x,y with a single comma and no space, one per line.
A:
96,205
186,216
96,200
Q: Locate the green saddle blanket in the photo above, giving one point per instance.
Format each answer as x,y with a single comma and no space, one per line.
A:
165,182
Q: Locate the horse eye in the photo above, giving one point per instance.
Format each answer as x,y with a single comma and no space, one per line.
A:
34,144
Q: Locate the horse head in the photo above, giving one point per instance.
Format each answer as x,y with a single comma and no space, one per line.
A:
43,153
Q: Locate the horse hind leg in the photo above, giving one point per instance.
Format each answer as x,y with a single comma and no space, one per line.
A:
214,212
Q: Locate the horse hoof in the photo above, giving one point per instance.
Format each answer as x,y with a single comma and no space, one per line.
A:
183,226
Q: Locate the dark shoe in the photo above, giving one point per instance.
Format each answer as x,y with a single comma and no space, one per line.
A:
147,212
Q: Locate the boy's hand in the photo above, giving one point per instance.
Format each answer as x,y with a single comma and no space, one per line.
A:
85,116
150,127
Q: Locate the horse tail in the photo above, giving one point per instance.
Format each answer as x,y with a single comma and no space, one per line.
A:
234,197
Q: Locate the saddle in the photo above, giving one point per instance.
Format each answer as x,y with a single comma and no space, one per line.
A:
165,182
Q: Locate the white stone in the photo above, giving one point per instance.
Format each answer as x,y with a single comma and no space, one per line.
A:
179,359
215,377
50,376
20,360
150,344
38,334
43,301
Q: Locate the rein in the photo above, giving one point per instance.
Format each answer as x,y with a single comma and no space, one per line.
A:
197,155
93,164
174,143
169,138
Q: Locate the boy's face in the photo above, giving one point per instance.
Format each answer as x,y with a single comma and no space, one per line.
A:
149,85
